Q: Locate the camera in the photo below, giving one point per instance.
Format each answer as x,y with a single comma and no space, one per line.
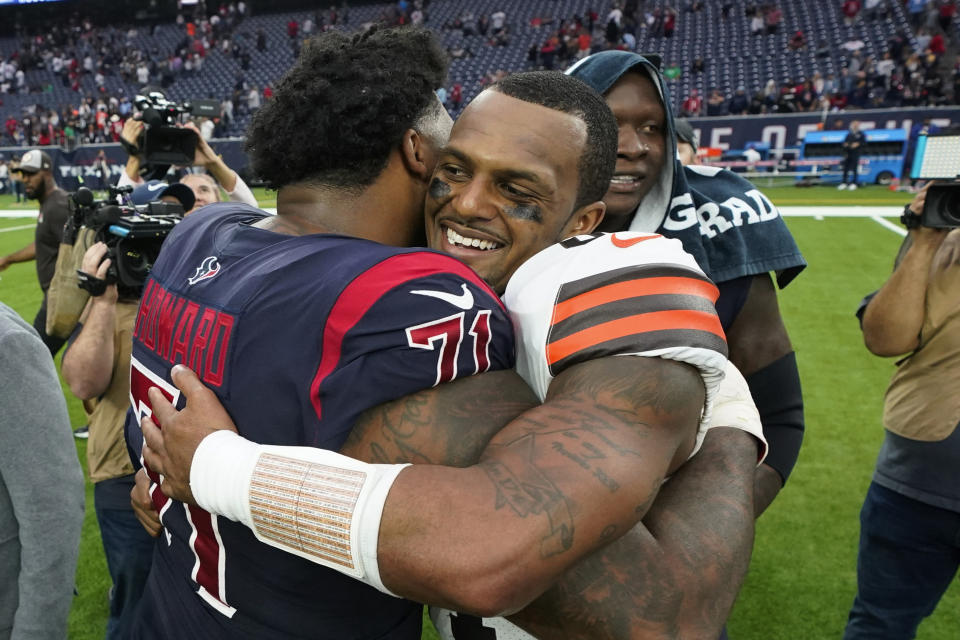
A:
941,209
133,234
162,141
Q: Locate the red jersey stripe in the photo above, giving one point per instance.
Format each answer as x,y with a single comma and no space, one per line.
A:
364,291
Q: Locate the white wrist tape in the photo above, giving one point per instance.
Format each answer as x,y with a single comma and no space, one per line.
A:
314,503
733,407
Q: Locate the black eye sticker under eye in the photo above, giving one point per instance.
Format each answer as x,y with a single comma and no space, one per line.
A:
528,212
439,189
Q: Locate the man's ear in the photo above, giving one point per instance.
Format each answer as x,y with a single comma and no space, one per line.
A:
418,155
585,219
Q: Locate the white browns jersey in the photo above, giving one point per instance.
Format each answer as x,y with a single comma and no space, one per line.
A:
620,294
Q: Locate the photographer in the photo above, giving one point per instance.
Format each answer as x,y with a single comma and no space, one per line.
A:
96,367
909,550
206,187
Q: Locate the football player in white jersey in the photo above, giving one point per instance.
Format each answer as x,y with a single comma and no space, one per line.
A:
526,166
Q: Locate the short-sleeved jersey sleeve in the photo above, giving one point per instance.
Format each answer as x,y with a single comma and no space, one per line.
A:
613,295
407,324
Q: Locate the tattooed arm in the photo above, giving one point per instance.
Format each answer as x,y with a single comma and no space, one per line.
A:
557,483
675,577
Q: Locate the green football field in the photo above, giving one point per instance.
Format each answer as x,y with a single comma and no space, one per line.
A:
802,578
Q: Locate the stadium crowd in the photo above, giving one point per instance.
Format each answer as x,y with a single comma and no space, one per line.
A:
903,75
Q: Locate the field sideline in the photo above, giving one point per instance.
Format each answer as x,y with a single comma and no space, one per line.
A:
802,578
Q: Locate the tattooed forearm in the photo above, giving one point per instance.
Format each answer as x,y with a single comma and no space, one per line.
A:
679,578
449,424
556,484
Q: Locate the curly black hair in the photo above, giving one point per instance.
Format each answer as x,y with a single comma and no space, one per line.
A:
567,94
336,115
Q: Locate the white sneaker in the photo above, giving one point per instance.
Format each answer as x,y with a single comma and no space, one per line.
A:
841,186
852,187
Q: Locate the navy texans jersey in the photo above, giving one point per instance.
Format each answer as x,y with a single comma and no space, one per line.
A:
297,336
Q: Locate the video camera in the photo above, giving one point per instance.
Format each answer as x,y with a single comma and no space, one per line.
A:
133,234
937,158
162,141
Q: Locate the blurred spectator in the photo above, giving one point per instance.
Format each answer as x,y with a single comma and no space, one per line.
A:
772,18
693,105
851,9
686,142
456,95
797,41
498,20
739,102
669,22
716,103
873,9
947,11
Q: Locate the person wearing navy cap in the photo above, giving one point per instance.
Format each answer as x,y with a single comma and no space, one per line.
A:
158,190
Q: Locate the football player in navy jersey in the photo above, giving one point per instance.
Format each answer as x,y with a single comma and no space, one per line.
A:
309,319
562,479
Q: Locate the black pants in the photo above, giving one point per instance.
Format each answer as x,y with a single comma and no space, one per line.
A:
850,166
53,343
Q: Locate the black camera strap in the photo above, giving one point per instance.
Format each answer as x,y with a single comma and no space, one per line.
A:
93,284
909,219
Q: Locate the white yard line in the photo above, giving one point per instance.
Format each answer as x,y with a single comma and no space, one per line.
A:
889,225
20,228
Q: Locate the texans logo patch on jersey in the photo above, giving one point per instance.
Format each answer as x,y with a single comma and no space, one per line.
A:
207,269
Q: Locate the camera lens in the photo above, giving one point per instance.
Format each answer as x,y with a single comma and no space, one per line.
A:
951,207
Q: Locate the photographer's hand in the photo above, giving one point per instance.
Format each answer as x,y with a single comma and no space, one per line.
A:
88,363
207,158
131,131
130,135
94,264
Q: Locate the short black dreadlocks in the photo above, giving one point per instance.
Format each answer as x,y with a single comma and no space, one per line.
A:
338,112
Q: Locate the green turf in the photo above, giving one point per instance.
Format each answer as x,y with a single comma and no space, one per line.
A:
802,578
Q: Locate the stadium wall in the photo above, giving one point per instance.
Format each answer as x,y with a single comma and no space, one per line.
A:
779,131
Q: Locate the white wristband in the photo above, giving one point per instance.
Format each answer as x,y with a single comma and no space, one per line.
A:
314,503
734,407
220,475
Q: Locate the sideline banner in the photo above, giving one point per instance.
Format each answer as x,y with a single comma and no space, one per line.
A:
787,130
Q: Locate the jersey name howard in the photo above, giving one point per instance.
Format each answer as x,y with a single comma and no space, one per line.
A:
184,332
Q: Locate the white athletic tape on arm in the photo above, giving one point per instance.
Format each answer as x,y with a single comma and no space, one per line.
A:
314,503
734,407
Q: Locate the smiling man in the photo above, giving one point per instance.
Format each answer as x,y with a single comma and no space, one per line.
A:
525,166
732,229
